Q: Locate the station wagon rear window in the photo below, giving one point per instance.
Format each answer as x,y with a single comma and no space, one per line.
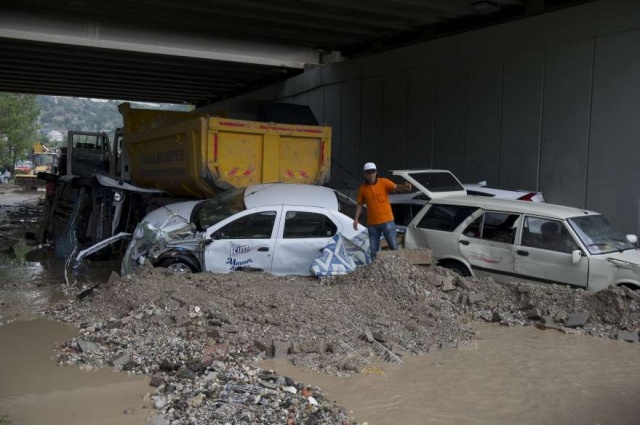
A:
445,217
438,182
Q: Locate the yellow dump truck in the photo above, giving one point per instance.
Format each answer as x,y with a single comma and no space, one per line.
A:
160,157
42,159
194,156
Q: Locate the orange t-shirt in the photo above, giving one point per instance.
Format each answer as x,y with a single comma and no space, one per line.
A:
376,198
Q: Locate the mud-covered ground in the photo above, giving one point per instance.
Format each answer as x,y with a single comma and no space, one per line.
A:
198,336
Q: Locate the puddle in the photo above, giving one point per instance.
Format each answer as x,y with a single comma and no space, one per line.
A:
34,389
29,287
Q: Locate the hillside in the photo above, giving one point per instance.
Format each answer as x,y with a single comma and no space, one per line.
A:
58,113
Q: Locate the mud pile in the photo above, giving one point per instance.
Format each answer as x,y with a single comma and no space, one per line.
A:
199,335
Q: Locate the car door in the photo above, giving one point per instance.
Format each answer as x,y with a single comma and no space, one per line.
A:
244,241
544,254
302,236
487,243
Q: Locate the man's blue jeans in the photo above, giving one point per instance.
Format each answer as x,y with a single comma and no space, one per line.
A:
387,229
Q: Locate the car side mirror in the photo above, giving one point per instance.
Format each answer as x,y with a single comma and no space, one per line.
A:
576,255
632,239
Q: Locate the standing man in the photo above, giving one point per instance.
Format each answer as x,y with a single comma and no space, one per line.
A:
374,193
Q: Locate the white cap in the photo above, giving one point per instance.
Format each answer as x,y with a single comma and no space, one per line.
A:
369,166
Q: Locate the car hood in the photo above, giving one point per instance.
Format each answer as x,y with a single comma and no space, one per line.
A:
171,217
630,257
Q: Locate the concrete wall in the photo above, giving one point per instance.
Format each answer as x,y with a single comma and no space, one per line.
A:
551,103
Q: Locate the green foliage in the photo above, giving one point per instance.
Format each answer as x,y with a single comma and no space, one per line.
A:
18,125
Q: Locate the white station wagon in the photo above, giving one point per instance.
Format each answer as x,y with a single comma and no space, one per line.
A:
519,241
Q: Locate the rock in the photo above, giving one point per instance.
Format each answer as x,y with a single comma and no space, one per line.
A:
156,381
113,278
160,402
121,360
463,283
628,336
196,401
476,297
534,314
577,319
294,348
455,297
269,385
447,283
290,389
261,346
280,350
88,346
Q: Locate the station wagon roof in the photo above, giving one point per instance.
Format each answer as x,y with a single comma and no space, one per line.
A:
513,206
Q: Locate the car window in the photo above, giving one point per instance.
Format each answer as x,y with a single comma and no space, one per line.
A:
598,235
494,226
547,234
476,193
214,210
303,224
252,226
445,217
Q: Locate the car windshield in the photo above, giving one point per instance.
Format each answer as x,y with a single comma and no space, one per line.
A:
598,235
214,210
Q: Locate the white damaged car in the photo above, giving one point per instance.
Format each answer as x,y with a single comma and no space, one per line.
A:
519,241
277,228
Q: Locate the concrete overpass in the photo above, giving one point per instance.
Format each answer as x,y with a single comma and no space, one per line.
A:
201,51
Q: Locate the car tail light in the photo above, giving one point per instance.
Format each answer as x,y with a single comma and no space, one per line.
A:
528,197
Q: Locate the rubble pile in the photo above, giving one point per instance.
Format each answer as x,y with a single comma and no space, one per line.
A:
199,336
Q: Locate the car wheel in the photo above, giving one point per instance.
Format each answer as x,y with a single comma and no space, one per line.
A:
457,267
180,264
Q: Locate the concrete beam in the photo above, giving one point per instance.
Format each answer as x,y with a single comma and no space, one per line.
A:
94,34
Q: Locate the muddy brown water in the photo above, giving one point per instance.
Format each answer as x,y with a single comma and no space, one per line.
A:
514,376
35,390
511,376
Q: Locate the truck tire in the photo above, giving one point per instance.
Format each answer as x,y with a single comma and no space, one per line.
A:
180,263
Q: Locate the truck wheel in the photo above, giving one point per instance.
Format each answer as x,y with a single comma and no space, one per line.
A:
180,264
457,267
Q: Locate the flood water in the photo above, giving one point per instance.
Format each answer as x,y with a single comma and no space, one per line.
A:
34,390
515,376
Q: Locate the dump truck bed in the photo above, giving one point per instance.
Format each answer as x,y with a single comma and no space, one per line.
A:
200,157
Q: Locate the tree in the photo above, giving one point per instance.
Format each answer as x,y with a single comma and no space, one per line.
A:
18,124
